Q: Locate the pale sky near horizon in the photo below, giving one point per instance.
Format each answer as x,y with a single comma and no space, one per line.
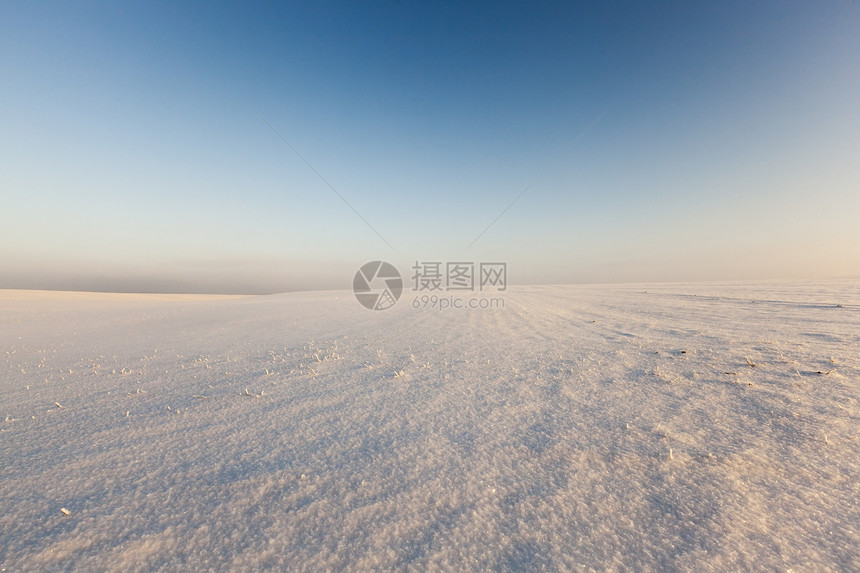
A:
677,141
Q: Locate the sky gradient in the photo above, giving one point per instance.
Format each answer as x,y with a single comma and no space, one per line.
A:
673,142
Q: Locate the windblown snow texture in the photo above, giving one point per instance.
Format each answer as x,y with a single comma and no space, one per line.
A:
671,427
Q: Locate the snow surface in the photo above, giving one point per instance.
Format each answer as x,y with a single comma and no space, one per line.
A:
705,427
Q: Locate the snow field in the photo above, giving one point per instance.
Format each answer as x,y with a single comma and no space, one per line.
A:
649,427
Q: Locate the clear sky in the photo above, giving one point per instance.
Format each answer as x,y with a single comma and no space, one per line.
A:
677,141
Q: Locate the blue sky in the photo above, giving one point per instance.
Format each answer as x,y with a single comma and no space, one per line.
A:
685,141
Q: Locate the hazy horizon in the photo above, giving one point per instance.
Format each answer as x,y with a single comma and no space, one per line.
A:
142,146
144,285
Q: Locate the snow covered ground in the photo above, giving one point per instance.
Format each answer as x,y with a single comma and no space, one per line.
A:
706,427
